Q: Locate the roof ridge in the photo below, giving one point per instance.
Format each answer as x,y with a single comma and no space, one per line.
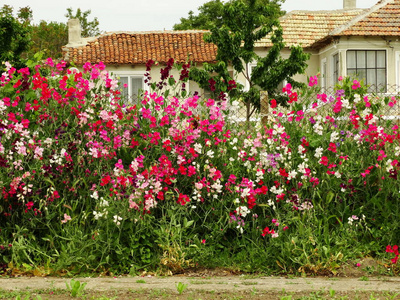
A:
153,32
341,10
361,16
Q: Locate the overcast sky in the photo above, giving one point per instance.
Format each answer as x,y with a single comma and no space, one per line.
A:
144,15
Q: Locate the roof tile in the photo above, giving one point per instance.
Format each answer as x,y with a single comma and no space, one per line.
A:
139,47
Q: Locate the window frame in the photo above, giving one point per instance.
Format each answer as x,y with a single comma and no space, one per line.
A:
129,75
335,68
367,67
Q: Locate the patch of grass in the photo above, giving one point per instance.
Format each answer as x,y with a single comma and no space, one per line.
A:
199,282
140,281
249,282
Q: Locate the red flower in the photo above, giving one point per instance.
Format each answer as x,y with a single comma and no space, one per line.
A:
183,199
324,161
273,103
105,180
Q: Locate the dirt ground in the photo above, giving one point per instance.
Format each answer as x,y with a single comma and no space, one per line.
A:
366,282
221,287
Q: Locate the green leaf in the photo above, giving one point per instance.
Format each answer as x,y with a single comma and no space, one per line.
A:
329,197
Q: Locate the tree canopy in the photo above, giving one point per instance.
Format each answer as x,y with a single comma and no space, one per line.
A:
14,34
211,14
21,39
243,24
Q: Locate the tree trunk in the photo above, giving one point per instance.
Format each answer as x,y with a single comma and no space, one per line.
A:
264,107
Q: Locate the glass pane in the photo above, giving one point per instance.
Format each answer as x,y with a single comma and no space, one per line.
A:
381,80
351,59
371,59
381,59
371,78
361,59
123,81
351,73
361,74
136,87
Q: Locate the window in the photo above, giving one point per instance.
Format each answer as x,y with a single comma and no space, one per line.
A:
335,68
134,87
369,66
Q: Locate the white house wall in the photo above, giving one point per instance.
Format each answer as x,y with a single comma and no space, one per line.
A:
391,46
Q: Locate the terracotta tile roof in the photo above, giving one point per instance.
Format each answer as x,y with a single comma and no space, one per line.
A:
305,28
139,47
383,19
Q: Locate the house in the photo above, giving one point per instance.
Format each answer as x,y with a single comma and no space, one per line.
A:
363,43
125,54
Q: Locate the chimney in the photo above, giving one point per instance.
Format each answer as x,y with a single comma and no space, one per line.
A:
74,32
349,4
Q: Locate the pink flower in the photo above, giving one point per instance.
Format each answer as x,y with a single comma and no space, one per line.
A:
313,81
203,241
355,85
66,219
340,78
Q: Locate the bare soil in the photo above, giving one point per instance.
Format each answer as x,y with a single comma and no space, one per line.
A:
350,282
205,287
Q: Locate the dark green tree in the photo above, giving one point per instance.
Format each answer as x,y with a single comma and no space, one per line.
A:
245,23
14,34
89,28
210,14
48,37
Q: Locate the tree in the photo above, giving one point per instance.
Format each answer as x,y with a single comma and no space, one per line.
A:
89,28
210,14
48,37
244,23
14,34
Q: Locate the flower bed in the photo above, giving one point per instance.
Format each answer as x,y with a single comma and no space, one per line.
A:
89,184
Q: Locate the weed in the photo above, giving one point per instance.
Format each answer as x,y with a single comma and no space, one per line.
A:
140,281
75,288
364,278
181,287
332,293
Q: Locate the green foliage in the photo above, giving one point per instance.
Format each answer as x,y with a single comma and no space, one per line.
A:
89,28
14,34
48,37
181,287
211,14
75,287
243,24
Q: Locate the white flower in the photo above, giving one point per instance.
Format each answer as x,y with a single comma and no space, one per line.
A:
292,174
334,136
210,153
242,211
198,147
117,220
318,152
97,215
95,195
103,203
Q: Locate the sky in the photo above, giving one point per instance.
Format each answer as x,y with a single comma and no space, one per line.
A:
146,15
